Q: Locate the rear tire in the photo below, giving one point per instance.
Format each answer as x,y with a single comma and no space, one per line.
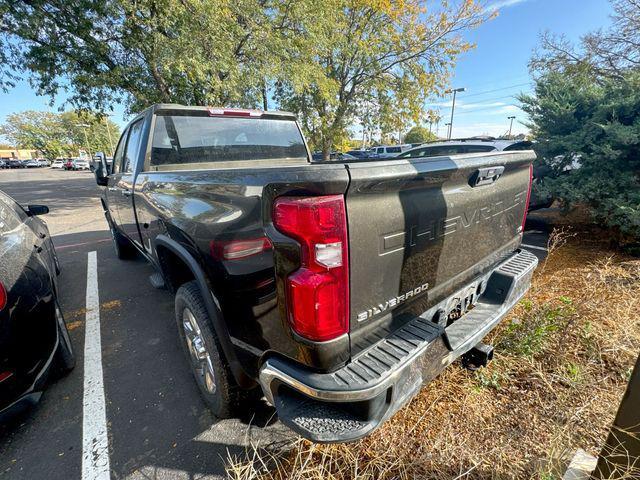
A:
64,359
206,358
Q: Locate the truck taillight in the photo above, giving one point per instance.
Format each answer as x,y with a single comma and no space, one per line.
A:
3,296
526,204
318,292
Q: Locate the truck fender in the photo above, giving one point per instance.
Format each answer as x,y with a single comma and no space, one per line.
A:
211,304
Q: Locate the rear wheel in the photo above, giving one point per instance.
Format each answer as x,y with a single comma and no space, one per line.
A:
207,361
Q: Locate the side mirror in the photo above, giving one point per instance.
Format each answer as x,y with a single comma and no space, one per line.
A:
101,169
37,209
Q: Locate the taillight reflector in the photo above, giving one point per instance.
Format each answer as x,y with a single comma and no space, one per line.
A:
526,204
3,296
318,292
238,249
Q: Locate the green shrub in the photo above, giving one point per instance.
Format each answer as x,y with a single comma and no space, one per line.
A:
578,119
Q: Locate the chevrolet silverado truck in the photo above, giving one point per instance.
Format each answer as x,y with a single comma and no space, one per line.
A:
336,290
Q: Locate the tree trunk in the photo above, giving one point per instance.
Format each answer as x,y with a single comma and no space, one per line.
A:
326,149
265,98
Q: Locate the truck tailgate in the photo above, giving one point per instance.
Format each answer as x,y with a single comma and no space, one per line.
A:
422,229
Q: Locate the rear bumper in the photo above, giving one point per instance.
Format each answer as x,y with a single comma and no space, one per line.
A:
353,401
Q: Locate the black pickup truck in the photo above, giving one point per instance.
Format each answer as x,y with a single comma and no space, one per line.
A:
336,290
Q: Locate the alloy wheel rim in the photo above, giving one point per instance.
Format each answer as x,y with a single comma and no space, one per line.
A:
198,352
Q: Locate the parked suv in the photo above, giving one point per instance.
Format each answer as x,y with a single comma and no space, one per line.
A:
389,151
336,290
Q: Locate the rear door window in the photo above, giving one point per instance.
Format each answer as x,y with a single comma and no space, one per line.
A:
394,149
185,139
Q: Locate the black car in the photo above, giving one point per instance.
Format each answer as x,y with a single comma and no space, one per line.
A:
33,336
14,163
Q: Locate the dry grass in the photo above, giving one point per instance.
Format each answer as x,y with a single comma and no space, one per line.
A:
563,358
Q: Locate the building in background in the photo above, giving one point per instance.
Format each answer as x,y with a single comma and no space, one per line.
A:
20,154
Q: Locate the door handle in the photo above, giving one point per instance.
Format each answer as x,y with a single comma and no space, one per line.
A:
37,248
485,176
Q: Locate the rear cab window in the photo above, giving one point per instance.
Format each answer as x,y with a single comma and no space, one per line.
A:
203,141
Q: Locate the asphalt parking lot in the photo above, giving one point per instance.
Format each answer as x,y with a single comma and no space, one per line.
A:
157,426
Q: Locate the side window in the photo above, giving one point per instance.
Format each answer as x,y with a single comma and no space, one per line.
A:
119,155
381,150
418,152
476,148
394,149
443,150
133,147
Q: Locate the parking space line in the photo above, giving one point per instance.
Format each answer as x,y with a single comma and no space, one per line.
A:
535,247
62,247
95,442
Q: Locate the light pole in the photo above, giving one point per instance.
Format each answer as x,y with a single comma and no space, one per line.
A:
453,106
84,127
448,125
106,122
510,125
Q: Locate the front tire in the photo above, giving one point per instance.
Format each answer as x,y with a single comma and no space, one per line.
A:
206,358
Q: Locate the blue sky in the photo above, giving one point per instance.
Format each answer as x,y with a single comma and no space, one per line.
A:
497,68
492,73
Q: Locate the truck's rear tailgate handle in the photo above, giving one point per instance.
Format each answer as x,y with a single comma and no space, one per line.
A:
485,176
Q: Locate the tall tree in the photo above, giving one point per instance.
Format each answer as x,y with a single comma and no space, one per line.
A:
419,135
85,131
62,134
394,54
201,52
587,139
40,131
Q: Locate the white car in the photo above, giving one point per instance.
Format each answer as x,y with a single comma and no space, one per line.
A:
58,164
31,163
81,165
